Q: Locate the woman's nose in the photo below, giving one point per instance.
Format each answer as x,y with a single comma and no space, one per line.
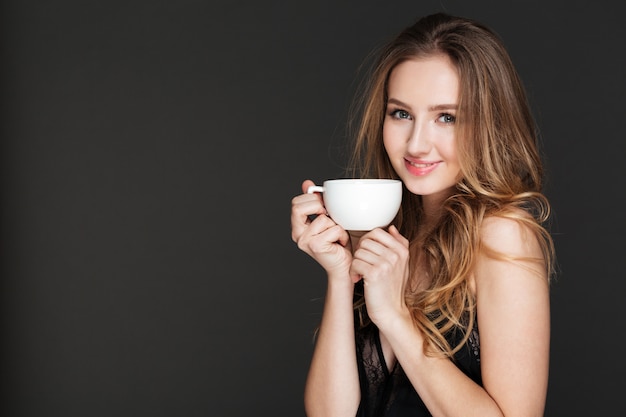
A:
419,141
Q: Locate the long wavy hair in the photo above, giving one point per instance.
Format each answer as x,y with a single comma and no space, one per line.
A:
500,159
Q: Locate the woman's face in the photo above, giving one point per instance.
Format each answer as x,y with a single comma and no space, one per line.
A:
418,129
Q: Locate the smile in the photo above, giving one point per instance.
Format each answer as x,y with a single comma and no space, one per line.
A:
421,165
420,168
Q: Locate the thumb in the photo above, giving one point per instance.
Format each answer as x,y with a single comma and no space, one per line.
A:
354,276
393,231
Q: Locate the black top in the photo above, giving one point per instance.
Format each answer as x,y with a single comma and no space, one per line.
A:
387,393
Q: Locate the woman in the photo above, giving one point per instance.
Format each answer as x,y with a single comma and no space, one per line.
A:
446,311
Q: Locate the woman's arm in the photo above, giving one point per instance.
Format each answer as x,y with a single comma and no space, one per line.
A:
332,386
513,321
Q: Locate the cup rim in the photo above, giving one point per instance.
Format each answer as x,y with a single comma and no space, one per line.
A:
364,180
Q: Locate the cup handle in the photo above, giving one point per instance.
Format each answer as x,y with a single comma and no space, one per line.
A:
315,189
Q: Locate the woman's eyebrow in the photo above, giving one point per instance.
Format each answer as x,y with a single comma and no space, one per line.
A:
397,102
434,107
440,107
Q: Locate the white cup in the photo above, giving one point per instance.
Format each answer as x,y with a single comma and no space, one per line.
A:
361,204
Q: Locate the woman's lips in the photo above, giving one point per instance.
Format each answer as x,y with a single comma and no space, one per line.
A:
420,168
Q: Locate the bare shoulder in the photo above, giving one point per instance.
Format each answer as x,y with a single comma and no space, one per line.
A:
511,236
510,251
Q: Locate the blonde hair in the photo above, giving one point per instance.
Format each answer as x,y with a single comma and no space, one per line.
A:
500,163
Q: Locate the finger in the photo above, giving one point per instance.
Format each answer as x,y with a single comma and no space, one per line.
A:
356,271
321,224
323,236
390,238
306,184
302,207
376,241
369,250
366,256
393,231
336,233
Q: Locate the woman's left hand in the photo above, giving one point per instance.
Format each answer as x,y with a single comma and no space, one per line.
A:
382,259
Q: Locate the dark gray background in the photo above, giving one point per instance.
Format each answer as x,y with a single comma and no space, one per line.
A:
150,150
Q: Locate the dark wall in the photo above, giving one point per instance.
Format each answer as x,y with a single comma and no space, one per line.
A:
150,150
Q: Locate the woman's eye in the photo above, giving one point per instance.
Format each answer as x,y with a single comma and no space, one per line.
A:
447,118
401,114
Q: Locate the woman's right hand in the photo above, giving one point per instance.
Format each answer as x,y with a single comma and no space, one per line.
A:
321,238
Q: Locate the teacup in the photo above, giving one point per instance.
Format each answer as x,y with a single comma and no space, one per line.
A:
361,204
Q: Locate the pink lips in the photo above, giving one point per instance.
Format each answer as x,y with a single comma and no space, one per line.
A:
420,168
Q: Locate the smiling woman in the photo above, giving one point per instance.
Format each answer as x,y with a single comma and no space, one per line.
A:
451,313
149,149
